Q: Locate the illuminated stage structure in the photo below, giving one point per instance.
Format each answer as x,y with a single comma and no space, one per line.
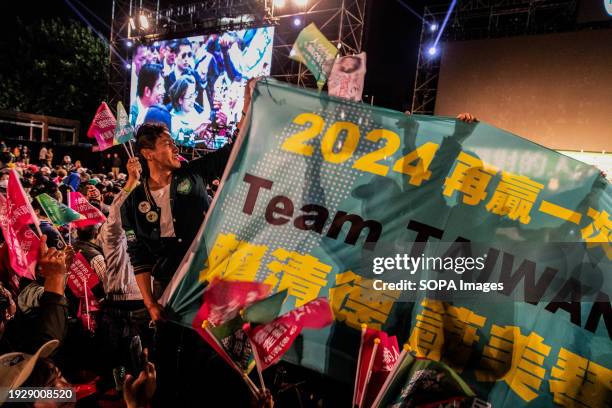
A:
147,21
483,19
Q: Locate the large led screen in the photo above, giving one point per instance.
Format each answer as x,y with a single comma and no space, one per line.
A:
195,85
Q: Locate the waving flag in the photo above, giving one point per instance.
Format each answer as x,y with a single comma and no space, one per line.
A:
124,132
103,127
312,49
80,204
272,340
378,354
58,213
16,216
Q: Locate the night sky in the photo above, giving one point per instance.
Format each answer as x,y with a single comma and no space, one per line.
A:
390,39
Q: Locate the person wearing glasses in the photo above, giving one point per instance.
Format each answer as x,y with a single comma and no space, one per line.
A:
189,119
183,65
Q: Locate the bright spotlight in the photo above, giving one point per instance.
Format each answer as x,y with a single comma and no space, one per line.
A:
339,45
433,27
128,66
156,44
297,21
300,3
279,3
432,51
144,22
129,43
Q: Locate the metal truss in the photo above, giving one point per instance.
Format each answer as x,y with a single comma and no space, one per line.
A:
480,19
341,21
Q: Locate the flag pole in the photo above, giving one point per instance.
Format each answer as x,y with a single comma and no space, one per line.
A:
86,303
369,371
126,150
391,376
246,378
364,327
131,147
70,223
257,361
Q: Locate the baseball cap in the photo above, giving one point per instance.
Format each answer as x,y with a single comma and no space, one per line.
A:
15,368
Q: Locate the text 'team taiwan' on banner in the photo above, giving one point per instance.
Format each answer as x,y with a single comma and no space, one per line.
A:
320,187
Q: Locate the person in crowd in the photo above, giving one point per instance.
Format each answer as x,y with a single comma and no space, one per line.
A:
184,63
149,91
87,244
161,218
67,163
4,176
42,156
168,56
159,229
25,155
17,153
18,369
189,119
6,157
123,312
30,329
159,114
50,157
141,58
116,164
61,175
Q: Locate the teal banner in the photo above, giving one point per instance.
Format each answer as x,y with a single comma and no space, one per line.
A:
319,188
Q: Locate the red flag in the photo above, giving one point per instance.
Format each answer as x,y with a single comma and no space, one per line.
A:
81,277
271,341
79,203
103,127
223,301
16,215
387,353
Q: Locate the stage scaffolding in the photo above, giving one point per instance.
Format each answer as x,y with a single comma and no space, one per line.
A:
341,21
483,19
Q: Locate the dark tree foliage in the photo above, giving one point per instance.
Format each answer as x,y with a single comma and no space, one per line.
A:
53,67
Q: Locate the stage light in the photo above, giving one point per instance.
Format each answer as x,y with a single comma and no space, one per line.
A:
300,3
433,27
297,21
129,43
144,22
132,23
432,51
156,44
279,3
339,45
128,66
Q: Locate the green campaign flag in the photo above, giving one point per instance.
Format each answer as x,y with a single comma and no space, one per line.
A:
261,312
265,310
319,190
58,213
312,49
124,132
423,382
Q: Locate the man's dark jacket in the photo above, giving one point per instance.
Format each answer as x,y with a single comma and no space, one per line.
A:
189,203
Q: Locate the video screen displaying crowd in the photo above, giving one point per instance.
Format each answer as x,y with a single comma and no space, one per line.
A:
195,85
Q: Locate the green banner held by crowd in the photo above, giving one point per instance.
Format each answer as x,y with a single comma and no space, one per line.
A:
316,185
